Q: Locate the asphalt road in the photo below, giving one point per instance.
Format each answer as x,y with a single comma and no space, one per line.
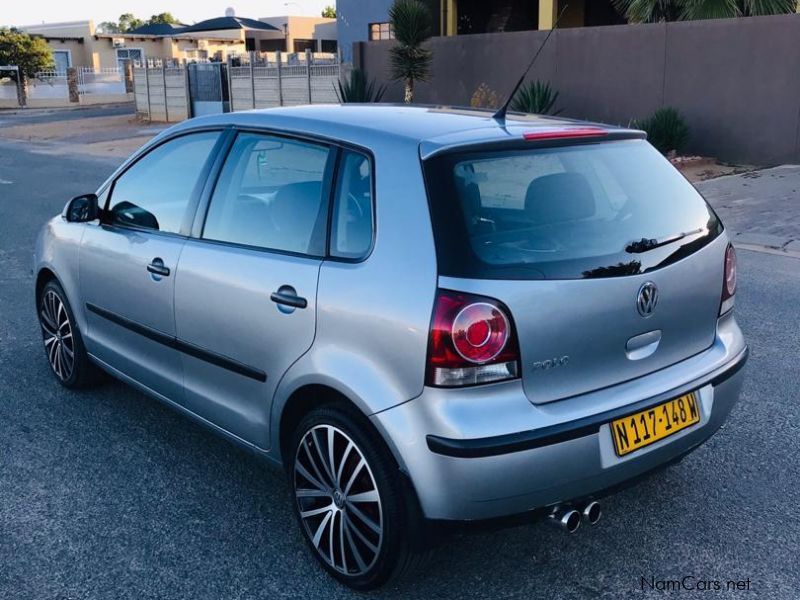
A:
47,115
108,494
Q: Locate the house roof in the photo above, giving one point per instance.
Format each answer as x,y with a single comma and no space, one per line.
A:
221,23
159,29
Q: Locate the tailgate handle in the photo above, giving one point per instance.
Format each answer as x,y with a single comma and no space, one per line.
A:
643,345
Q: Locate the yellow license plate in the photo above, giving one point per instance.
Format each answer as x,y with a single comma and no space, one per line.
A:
644,428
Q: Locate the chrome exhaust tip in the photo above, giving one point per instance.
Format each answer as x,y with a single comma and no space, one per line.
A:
592,512
565,518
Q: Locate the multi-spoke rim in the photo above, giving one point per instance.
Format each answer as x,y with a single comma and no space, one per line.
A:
338,500
57,332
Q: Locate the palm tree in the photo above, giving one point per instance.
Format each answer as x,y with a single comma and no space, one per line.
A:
652,11
410,62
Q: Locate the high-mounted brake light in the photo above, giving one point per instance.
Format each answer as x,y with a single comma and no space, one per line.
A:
729,281
559,134
472,341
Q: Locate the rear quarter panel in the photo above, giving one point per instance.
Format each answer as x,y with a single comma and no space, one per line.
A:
373,316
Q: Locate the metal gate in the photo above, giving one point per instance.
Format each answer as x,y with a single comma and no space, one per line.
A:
208,88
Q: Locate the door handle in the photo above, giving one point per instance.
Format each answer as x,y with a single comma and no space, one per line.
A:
156,267
287,296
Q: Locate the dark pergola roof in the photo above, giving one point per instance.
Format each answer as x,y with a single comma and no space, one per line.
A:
228,23
159,29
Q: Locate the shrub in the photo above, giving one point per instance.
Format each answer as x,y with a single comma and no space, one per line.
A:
536,97
666,130
359,88
484,97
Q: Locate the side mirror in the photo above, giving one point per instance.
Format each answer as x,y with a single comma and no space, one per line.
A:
82,209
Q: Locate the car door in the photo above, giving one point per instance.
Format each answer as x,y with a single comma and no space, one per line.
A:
245,294
128,261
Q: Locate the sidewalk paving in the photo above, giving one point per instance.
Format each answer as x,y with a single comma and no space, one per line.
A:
761,209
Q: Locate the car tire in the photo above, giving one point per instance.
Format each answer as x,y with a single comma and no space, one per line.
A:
361,522
63,343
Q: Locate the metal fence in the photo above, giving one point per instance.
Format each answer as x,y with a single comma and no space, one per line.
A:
242,83
48,85
102,82
9,86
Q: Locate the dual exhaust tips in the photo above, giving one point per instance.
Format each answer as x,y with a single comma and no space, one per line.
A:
568,518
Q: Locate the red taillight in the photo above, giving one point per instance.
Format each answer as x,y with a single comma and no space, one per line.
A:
572,132
729,281
472,341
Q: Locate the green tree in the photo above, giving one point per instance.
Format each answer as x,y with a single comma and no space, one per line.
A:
108,27
409,60
329,12
164,18
30,54
652,11
127,22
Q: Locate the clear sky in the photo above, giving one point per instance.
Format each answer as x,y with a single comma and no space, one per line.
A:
29,12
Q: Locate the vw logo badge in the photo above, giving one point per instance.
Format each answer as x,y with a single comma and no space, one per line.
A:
647,298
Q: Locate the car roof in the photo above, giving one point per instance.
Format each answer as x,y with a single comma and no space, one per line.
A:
433,128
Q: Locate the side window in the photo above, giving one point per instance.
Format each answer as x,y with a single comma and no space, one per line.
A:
155,192
351,229
269,195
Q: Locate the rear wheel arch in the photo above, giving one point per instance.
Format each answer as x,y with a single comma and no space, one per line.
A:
301,402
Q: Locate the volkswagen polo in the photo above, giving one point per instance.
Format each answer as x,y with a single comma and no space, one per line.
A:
424,315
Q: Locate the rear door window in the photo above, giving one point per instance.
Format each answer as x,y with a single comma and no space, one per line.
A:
590,210
270,195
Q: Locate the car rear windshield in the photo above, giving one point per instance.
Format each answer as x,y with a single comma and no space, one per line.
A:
589,210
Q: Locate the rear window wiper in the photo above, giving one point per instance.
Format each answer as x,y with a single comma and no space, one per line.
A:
645,244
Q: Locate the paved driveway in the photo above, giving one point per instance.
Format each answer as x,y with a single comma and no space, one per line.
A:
108,494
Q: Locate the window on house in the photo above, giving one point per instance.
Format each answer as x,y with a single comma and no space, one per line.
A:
330,46
381,31
301,45
63,61
133,54
275,45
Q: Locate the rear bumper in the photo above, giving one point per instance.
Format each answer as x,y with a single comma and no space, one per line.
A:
487,452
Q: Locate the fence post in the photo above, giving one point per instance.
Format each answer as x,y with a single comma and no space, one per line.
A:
164,82
22,88
308,73
279,58
72,84
187,90
147,90
127,74
252,79
229,75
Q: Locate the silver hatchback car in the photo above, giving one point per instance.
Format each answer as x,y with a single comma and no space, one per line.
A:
424,315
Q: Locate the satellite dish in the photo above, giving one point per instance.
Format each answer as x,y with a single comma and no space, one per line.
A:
229,12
